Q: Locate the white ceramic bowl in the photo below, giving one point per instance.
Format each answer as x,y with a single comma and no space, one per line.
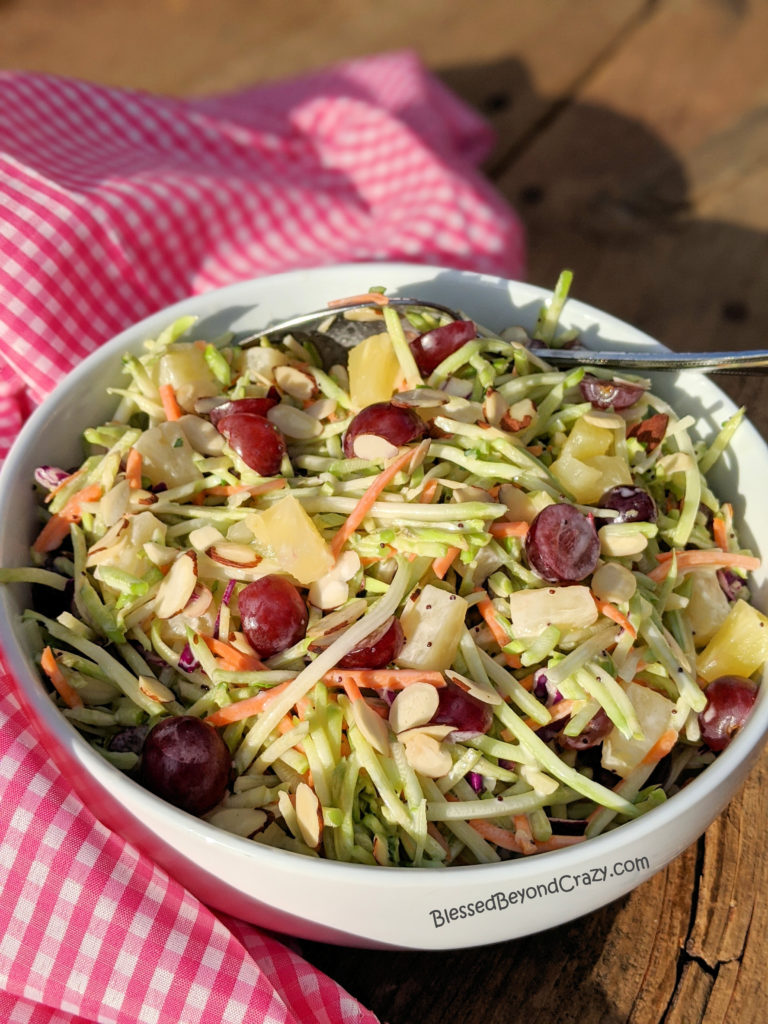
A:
348,903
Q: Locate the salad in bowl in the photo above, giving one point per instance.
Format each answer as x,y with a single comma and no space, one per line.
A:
437,604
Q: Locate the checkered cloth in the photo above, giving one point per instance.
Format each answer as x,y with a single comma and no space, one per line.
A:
114,204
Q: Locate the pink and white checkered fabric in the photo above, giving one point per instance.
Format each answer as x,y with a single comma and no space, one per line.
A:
112,205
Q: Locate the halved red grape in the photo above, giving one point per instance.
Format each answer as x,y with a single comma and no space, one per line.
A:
729,702
398,424
632,505
594,732
273,614
562,544
603,394
186,762
254,406
460,709
430,349
378,649
258,442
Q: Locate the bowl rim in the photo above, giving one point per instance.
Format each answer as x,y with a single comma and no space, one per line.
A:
742,751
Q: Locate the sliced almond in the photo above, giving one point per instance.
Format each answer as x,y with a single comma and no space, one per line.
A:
421,398
102,551
227,552
286,807
537,780
114,504
296,383
519,415
381,852
294,422
415,705
372,726
458,386
141,498
340,619
613,582
321,409
437,732
427,757
309,815
373,448
203,537
481,690
155,690
159,554
199,602
177,587
241,821
494,407
603,418
328,592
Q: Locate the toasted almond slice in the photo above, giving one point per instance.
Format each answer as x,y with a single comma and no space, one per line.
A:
538,780
381,852
422,398
328,592
613,582
294,422
226,552
204,536
177,587
415,705
309,815
371,725
155,690
483,691
295,382
141,498
427,757
373,447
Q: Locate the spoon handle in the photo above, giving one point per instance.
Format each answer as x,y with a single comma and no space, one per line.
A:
750,362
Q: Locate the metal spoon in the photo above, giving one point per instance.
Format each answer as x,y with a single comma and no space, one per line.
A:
341,334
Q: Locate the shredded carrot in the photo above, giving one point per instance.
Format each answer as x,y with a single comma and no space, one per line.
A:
171,407
364,505
68,693
510,529
700,559
558,843
527,681
56,530
562,709
661,747
440,566
523,833
497,835
720,533
351,688
353,300
428,492
610,611
63,483
133,464
245,708
485,607
238,660
382,678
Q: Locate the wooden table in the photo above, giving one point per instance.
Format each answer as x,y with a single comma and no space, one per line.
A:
633,140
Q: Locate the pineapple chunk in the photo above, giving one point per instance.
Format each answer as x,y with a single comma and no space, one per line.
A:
707,607
655,713
586,440
374,371
581,480
613,470
432,625
739,647
185,369
532,611
286,534
167,455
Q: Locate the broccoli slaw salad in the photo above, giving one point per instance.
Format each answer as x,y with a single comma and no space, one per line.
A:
438,604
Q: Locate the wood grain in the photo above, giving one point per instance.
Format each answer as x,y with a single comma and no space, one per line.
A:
633,139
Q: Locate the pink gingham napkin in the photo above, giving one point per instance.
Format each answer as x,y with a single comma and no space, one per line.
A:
114,204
